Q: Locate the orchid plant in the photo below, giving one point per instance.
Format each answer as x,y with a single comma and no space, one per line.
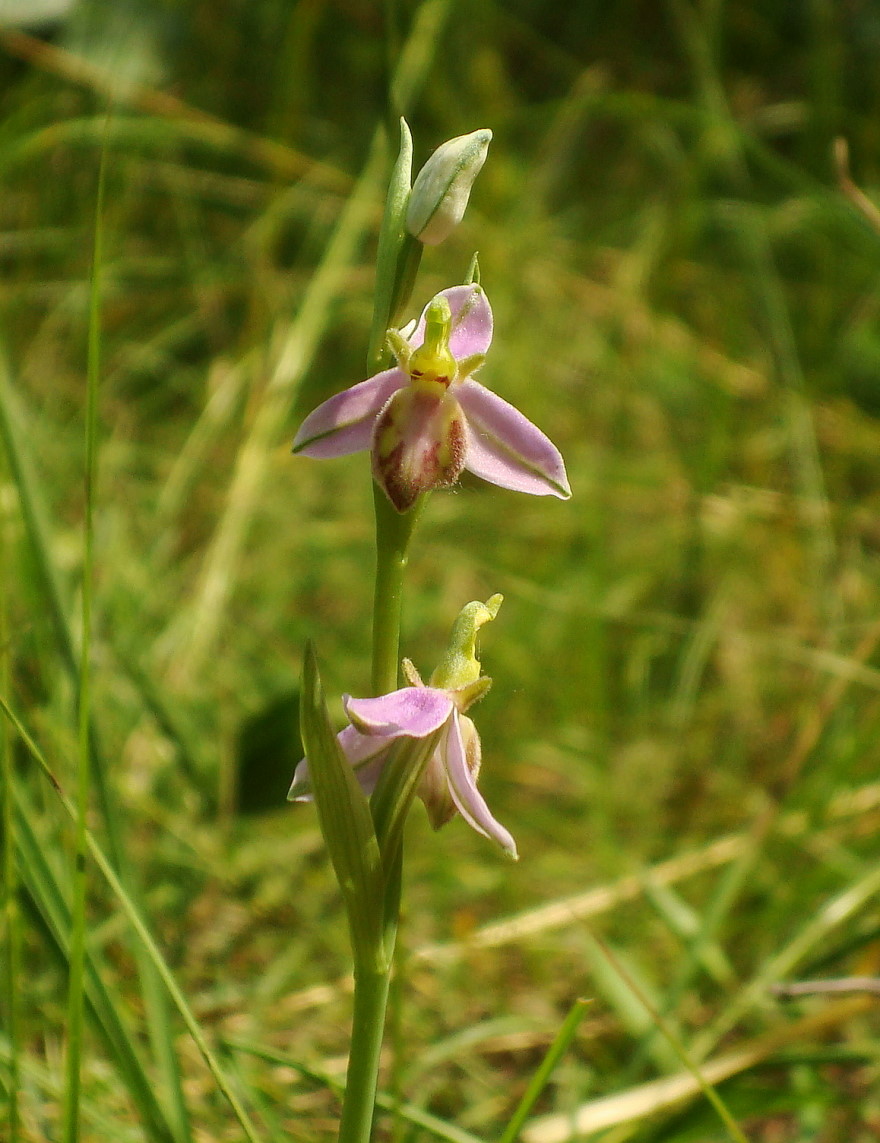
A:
425,420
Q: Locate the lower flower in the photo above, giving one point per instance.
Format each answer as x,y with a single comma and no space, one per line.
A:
449,783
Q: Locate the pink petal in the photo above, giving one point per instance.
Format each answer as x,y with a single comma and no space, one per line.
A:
344,424
412,711
505,448
471,321
366,755
470,802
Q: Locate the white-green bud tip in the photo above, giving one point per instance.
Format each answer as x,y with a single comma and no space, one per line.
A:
442,188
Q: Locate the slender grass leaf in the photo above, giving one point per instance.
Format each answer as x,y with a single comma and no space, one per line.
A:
625,988
672,1038
40,1081
36,520
70,1128
9,910
816,932
32,503
431,1125
104,1009
145,942
542,1076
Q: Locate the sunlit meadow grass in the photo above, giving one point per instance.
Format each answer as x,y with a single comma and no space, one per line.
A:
682,729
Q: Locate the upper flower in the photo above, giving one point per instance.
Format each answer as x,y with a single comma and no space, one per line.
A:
449,783
427,419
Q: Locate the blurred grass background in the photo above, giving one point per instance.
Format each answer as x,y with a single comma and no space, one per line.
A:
682,734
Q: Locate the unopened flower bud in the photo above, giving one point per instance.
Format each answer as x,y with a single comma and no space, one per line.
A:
442,188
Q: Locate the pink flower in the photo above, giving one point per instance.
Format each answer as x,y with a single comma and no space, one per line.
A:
427,419
449,782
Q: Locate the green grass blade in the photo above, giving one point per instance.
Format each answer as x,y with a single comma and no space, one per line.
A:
49,900
732,883
431,1125
9,910
71,1114
542,1076
13,432
99,1121
817,930
622,983
144,937
688,1059
35,517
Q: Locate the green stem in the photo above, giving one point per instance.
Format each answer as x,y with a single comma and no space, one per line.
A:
370,1000
393,533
